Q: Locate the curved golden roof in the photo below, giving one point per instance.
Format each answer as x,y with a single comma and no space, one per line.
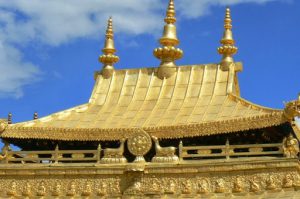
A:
198,100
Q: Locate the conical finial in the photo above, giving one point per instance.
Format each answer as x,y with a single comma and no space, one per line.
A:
35,116
108,58
227,49
168,53
170,16
9,118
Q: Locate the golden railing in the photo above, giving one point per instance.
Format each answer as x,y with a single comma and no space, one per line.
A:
229,151
55,156
185,153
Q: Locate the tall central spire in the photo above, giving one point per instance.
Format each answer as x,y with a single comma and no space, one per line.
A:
168,53
228,49
108,58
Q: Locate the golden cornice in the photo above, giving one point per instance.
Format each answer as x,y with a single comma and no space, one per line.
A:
163,132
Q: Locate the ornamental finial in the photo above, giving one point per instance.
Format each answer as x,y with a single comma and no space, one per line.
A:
168,53
227,49
35,116
9,118
108,58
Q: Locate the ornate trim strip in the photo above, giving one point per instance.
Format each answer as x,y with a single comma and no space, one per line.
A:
175,131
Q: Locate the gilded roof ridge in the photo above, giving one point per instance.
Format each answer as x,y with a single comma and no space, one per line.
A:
262,108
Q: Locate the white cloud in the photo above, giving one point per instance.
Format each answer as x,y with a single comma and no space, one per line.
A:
198,8
55,22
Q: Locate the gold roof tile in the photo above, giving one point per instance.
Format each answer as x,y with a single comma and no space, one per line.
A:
193,102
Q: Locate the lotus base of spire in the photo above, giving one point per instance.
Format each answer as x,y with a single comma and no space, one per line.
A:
166,70
107,71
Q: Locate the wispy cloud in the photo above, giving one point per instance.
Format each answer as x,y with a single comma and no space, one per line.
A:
55,22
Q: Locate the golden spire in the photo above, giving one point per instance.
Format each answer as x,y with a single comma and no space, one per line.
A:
9,118
168,53
35,116
227,49
108,58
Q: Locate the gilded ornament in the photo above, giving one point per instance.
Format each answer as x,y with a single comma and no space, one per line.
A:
41,190
56,189
139,143
12,190
108,58
220,186
238,185
290,147
292,109
168,53
164,154
254,186
72,189
87,191
136,187
227,49
203,186
271,185
102,189
187,187
287,181
170,186
27,189
114,155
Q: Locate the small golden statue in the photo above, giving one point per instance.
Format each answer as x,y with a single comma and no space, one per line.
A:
87,190
41,191
171,187
271,185
27,190
203,186
12,190
220,186
238,186
72,189
102,189
186,187
290,147
56,189
288,181
254,186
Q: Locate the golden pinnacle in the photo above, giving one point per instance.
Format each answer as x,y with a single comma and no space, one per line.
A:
227,49
168,53
108,58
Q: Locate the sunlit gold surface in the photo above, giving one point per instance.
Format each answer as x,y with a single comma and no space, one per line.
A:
197,100
168,53
108,58
227,49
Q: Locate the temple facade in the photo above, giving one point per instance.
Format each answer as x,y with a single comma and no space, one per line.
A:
165,132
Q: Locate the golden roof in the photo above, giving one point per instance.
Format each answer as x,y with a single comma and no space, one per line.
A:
197,100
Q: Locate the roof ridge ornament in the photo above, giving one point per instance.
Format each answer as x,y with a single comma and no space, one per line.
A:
168,53
228,49
108,58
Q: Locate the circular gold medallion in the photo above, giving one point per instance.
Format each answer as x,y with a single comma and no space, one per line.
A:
139,143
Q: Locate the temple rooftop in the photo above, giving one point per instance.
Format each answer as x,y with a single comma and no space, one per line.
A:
201,98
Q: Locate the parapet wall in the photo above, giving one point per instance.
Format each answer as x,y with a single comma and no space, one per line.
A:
193,179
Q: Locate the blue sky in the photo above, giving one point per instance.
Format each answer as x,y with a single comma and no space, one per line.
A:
49,49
